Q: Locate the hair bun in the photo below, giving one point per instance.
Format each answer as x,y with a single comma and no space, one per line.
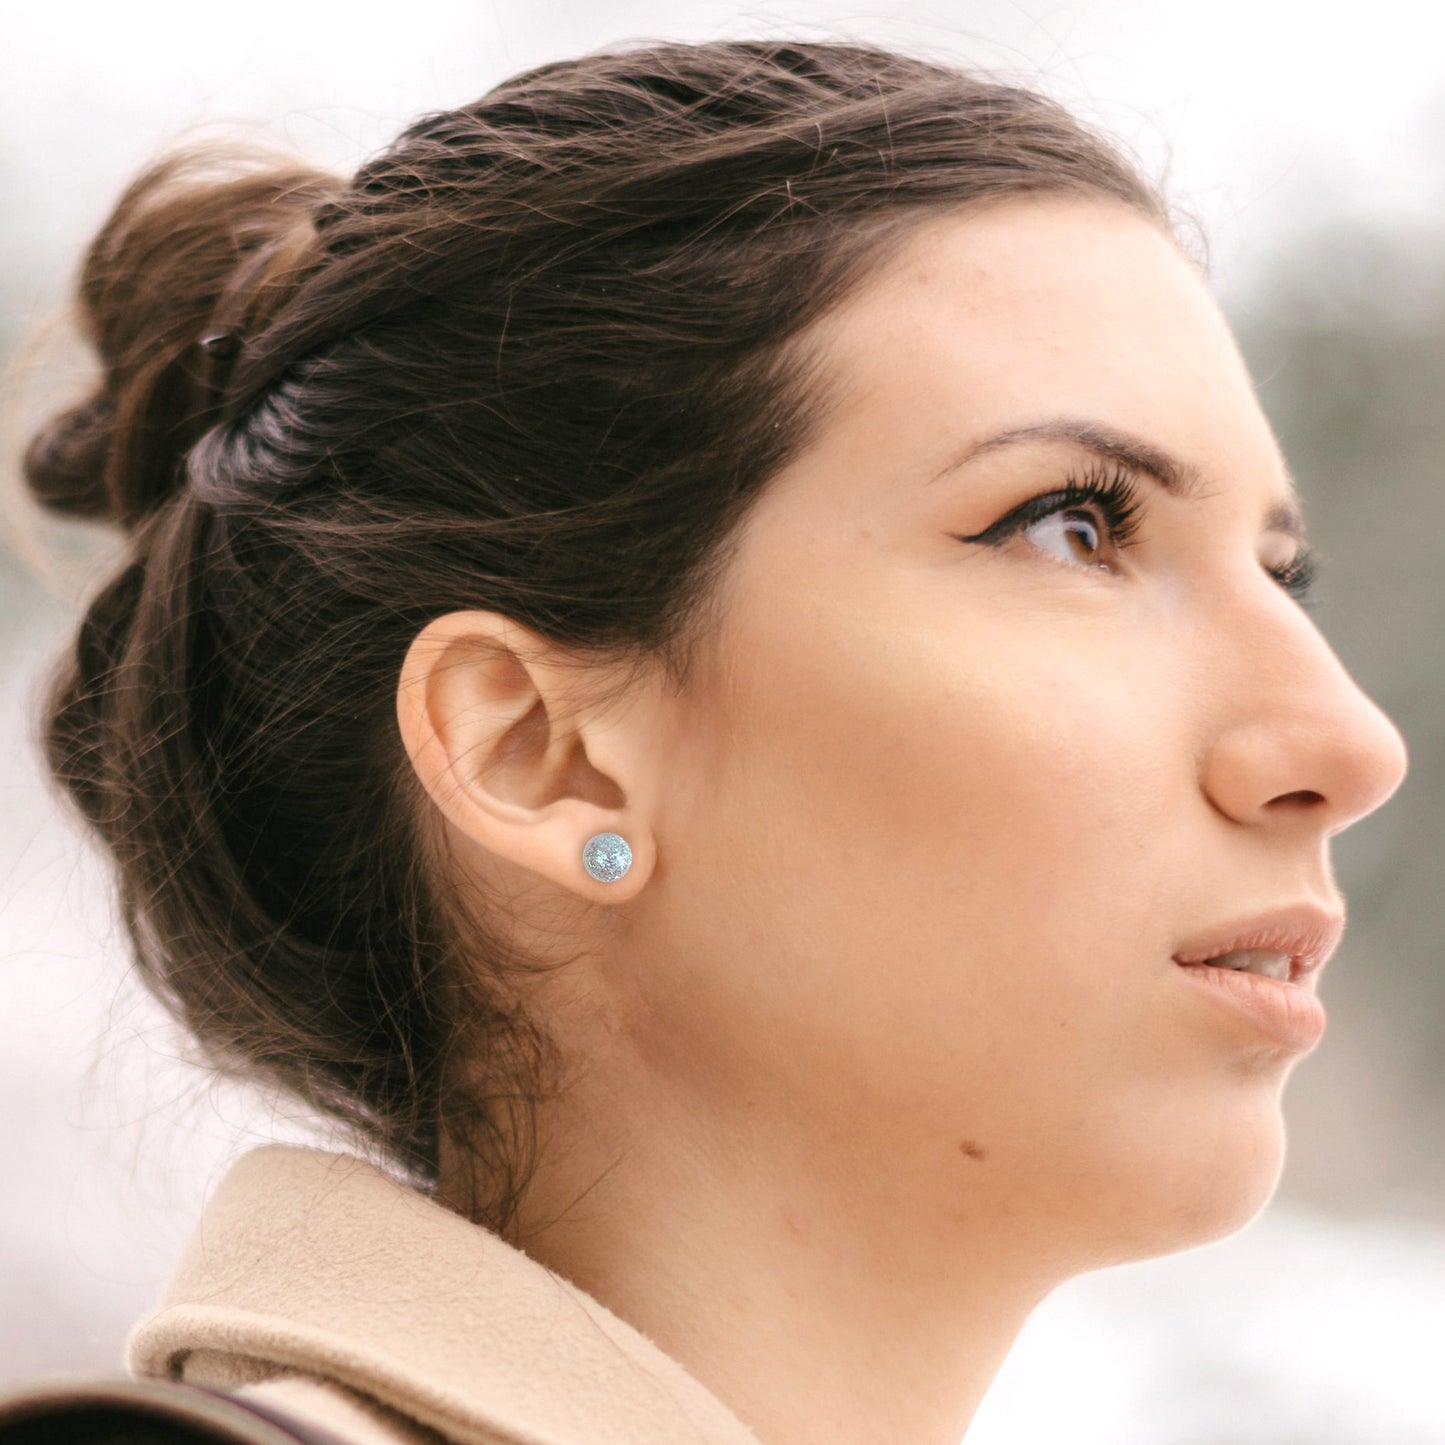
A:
65,462
206,240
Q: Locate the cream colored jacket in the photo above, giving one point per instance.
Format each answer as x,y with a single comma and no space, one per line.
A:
316,1282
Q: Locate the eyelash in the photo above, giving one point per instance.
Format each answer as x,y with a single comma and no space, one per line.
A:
1115,496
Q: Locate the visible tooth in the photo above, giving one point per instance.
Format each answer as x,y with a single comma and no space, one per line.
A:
1278,965
1269,962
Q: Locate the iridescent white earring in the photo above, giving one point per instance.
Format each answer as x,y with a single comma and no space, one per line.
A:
606,857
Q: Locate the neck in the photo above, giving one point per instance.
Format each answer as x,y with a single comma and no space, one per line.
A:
822,1315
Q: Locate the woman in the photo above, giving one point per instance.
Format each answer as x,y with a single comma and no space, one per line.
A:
712,660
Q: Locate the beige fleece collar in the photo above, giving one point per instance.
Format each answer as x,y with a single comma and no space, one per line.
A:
319,1262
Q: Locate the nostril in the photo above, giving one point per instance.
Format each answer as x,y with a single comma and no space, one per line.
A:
1302,798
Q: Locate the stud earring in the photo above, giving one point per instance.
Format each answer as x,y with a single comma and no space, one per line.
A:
607,857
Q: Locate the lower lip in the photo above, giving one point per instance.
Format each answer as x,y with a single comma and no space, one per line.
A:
1289,1013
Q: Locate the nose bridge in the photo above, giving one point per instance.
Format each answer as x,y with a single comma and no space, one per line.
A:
1295,737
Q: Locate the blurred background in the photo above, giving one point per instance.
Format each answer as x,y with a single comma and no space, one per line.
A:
1307,144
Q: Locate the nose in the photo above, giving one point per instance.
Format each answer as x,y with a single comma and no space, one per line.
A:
1300,743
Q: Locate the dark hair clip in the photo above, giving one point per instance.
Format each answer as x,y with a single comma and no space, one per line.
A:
221,345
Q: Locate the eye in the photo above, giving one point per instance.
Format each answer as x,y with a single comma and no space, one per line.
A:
1297,576
1075,536
1097,514
1081,523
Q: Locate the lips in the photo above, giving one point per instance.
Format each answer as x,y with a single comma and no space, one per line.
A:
1307,932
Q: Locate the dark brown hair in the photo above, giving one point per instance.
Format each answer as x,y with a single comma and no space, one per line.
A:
535,358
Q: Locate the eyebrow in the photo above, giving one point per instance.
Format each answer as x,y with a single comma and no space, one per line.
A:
1176,477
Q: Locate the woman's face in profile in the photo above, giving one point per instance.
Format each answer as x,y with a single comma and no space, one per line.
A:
942,812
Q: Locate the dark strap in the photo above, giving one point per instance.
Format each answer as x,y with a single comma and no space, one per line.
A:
119,1410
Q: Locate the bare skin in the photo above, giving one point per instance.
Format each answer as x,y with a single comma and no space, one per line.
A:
881,1037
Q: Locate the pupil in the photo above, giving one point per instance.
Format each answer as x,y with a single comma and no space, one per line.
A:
1083,537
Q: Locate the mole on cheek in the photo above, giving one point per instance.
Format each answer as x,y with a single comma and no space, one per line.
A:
974,1151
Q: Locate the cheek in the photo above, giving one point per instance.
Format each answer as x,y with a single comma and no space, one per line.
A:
975,794
922,847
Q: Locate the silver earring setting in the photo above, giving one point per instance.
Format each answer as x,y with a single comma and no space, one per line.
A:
606,857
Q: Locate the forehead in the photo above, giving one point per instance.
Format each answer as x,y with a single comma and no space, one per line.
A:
980,320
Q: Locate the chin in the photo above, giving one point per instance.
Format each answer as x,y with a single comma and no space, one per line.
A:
1223,1182
1198,1187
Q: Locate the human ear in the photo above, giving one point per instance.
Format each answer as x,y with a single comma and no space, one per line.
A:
522,751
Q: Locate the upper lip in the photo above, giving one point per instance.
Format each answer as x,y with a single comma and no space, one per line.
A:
1308,932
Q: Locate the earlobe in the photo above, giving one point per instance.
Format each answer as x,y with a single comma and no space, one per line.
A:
515,754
